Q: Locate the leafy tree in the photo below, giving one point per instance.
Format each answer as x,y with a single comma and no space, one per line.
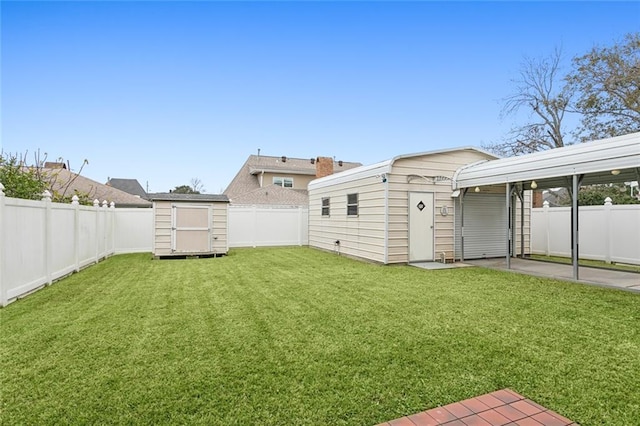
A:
20,181
607,81
184,189
594,195
539,91
30,181
195,188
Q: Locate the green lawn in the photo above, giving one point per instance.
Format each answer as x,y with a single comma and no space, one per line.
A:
298,336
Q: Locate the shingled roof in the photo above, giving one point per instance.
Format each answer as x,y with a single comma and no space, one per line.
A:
130,186
63,180
273,195
245,186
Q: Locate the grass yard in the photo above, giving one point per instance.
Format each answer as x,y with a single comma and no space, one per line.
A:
298,336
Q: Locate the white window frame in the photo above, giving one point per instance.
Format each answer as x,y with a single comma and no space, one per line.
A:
326,207
351,205
282,181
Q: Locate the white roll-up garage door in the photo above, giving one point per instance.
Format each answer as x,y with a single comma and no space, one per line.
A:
485,226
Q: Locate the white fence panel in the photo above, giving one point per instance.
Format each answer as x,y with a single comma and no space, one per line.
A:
24,262
41,241
262,226
87,236
608,233
134,230
625,234
62,244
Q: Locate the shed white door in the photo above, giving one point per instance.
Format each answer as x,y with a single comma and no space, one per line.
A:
420,226
191,229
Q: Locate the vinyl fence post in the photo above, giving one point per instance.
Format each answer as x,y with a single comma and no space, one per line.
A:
75,202
547,243
96,205
105,229
112,228
48,235
3,287
607,219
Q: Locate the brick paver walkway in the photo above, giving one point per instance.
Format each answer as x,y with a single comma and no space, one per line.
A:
503,407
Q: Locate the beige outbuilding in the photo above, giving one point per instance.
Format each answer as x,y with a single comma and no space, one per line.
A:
405,210
190,224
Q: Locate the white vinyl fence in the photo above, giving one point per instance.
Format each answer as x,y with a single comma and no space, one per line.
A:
260,226
41,241
608,233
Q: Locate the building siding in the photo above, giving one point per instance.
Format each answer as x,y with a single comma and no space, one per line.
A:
386,211
360,236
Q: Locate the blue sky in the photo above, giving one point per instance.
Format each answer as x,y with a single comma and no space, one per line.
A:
168,91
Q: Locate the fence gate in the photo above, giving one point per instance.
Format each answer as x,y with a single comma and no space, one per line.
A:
190,228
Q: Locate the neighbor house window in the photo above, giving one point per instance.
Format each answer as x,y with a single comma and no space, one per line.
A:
285,182
352,204
325,206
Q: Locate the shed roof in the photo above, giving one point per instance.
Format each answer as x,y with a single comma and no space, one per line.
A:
200,198
381,167
595,160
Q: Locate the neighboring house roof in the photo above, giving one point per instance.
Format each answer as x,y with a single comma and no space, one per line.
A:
245,186
131,186
63,180
273,195
173,196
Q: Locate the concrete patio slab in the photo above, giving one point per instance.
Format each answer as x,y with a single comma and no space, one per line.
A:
596,276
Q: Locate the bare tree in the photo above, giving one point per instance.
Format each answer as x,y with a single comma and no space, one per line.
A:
607,80
197,185
539,90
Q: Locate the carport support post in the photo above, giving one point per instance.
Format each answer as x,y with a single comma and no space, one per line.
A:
522,221
464,191
508,206
574,226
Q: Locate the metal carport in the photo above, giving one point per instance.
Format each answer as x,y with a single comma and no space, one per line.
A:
611,160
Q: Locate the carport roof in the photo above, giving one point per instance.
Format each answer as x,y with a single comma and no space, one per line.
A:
595,160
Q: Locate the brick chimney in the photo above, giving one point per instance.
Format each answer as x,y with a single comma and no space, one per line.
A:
324,166
537,198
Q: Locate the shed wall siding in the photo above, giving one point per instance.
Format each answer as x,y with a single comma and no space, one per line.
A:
364,236
360,236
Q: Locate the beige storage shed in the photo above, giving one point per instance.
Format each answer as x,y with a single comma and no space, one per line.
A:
405,210
190,224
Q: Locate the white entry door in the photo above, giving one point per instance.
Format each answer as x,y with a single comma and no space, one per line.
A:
191,229
420,226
